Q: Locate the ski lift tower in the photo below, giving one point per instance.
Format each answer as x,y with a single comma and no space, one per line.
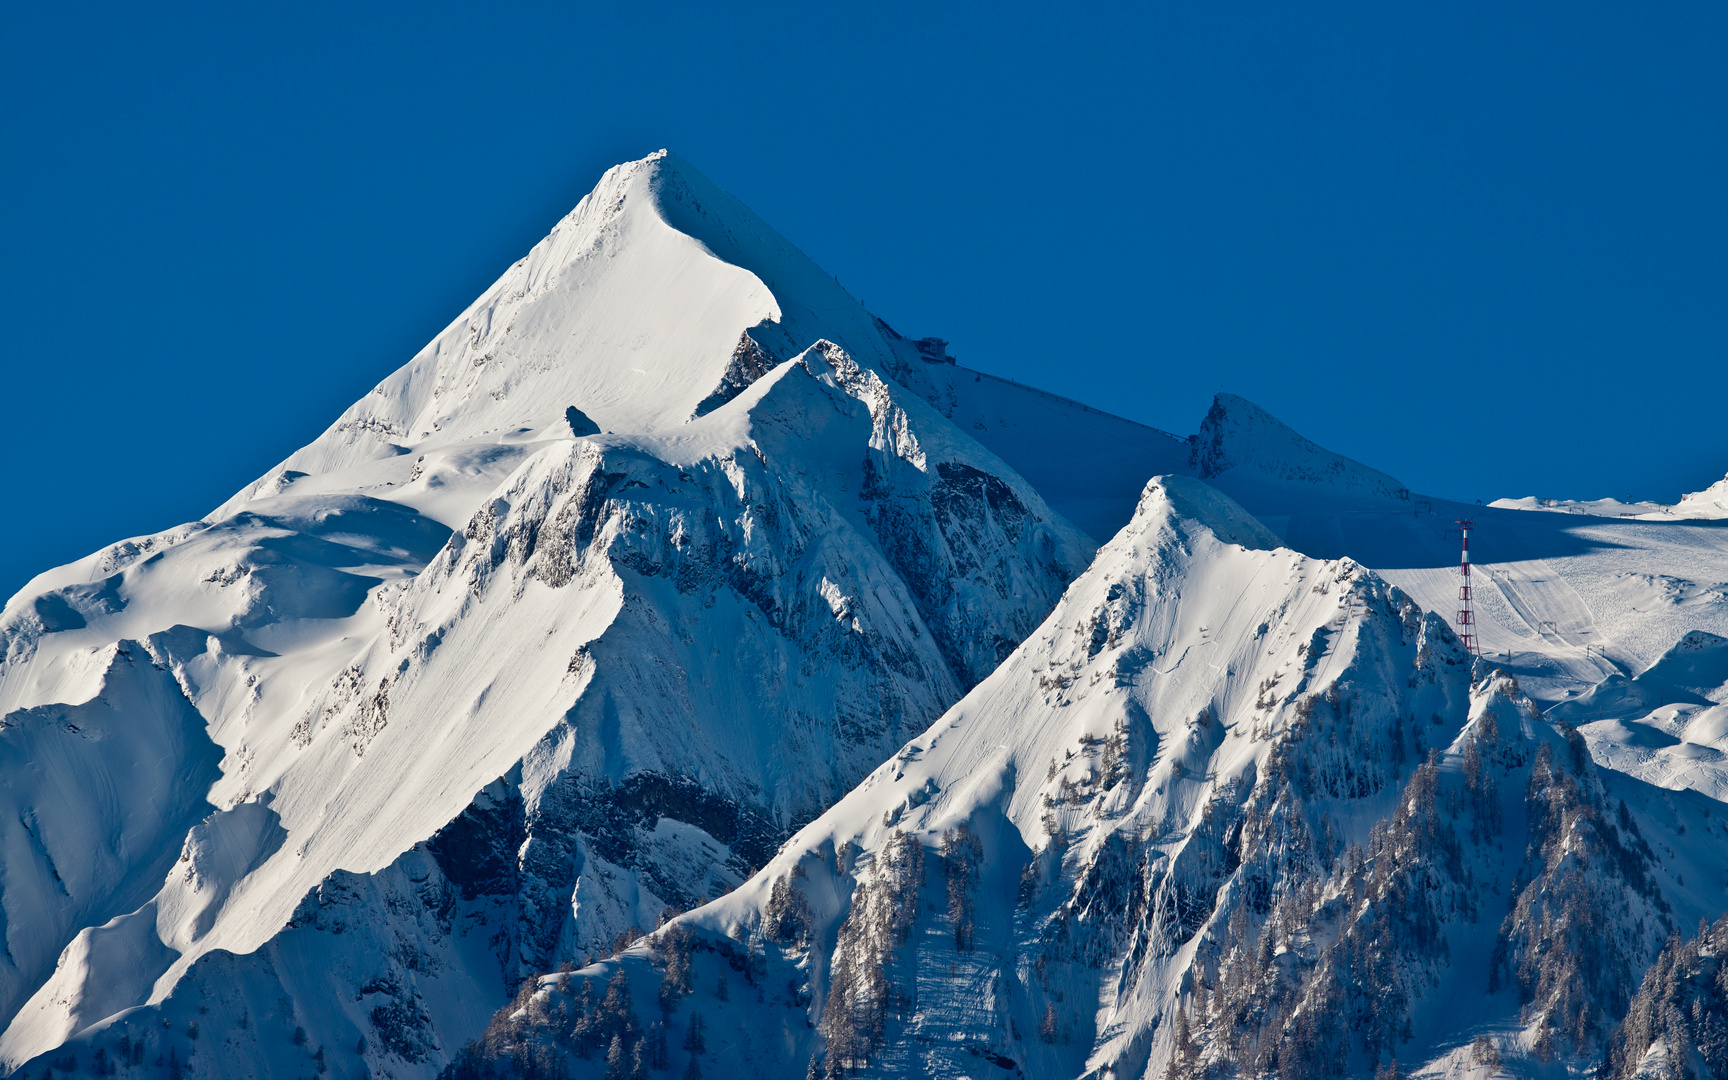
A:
1466,606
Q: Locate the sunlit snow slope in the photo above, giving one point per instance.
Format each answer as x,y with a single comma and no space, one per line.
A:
1708,505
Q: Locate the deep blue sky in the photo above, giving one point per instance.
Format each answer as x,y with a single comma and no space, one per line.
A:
1483,247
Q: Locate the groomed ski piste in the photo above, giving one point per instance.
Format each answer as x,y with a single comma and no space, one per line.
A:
668,578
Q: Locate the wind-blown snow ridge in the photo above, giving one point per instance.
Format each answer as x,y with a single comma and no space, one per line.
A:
1710,503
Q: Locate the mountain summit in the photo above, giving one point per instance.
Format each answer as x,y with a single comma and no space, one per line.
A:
642,563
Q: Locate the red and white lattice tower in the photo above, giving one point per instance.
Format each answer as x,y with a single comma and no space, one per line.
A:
1466,606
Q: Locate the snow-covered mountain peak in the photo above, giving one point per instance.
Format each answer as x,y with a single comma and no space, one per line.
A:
657,299
1241,443
575,615
657,557
1181,502
1710,503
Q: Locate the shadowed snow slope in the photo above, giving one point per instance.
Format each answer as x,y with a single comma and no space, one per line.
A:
1229,807
1241,444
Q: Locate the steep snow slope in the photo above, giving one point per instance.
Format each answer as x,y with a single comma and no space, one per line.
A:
1089,465
97,799
1229,806
112,655
594,554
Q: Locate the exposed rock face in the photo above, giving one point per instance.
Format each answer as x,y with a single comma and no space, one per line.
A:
749,362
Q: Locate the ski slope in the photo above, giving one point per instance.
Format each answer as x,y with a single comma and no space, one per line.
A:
1563,600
